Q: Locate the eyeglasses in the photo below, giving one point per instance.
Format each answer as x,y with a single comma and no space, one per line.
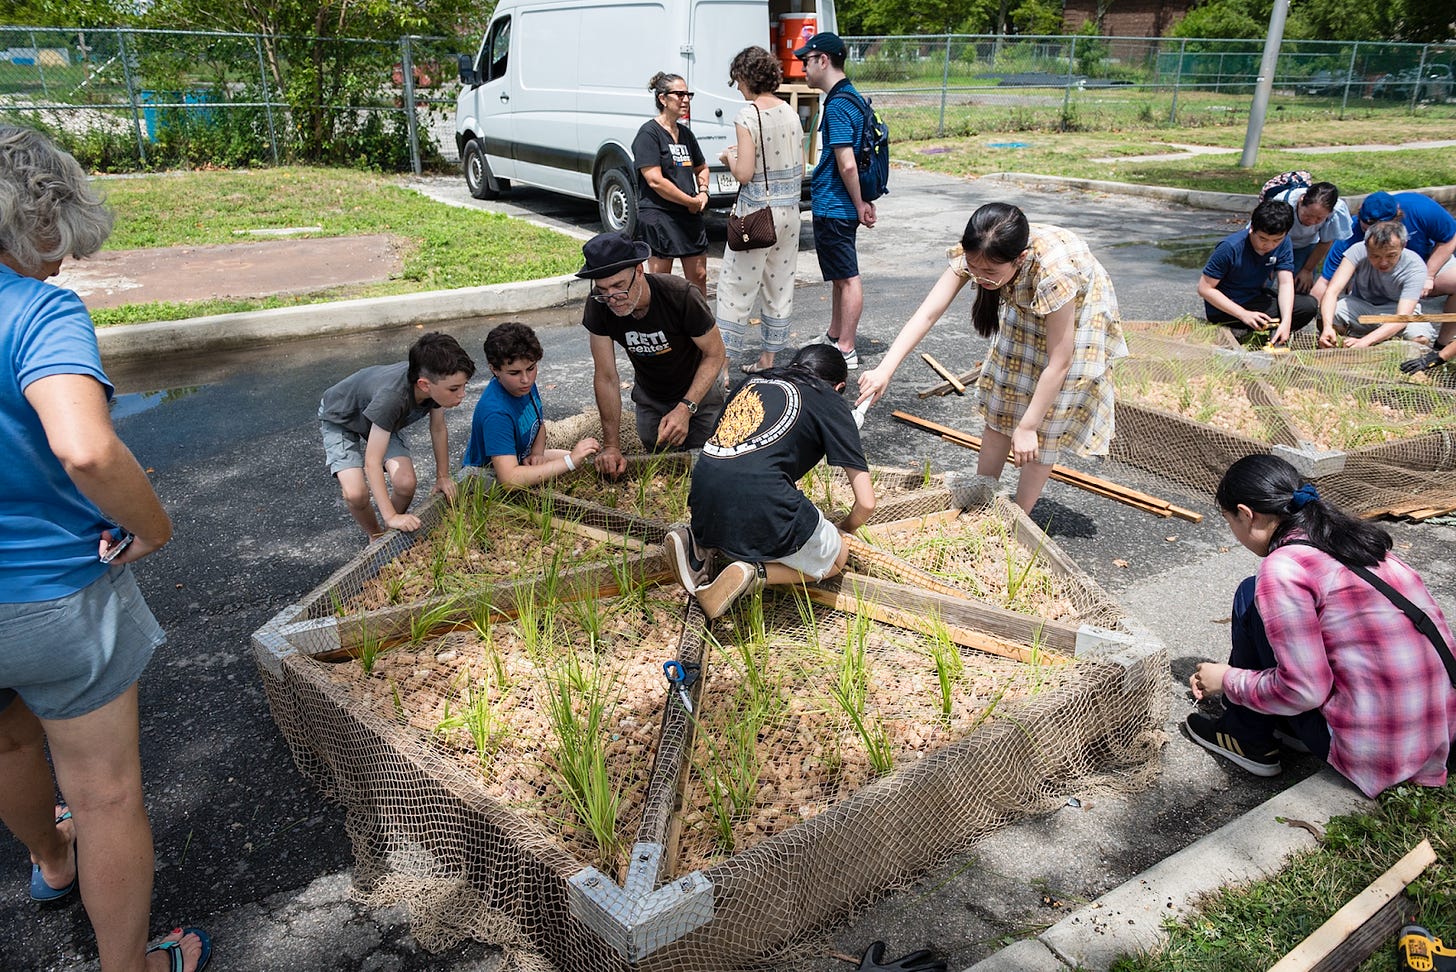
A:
684,95
604,297
984,281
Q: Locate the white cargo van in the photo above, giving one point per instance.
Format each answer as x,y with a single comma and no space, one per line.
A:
558,90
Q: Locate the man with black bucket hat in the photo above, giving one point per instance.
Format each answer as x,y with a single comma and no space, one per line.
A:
671,339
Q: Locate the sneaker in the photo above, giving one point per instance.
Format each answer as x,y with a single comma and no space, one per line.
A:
689,564
851,360
824,338
1261,760
737,579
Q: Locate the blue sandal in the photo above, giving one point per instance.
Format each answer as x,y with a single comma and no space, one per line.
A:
174,950
43,893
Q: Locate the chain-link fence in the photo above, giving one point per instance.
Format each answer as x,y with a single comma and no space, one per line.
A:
122,99
929,87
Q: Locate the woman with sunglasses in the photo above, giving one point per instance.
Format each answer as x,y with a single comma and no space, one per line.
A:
672,184
1049,306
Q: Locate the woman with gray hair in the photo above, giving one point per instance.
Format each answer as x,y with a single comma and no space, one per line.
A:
75,634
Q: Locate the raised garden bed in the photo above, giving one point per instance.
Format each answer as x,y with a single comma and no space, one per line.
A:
841,739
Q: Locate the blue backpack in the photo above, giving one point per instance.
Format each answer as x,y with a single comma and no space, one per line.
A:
872,154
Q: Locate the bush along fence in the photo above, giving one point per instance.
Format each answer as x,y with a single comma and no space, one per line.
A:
123,99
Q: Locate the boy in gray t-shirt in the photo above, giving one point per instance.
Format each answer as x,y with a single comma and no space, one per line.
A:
361,417
1378,275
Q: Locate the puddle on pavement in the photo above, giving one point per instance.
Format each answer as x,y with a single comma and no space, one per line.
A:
134,403
1191,253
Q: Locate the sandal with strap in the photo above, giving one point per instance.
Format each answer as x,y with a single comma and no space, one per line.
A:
40,891
753,368
175,958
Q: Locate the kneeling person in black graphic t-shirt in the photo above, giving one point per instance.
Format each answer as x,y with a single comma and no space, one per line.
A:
671,339
745,497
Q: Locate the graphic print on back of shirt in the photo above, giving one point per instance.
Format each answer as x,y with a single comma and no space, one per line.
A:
741,429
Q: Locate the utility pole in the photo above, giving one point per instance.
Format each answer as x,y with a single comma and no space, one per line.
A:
1265,84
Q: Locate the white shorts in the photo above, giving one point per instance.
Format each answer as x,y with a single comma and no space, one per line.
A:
816,558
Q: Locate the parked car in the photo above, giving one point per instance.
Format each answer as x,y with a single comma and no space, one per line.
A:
1433,83
1323,83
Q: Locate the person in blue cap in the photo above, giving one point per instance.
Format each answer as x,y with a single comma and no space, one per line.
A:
839,209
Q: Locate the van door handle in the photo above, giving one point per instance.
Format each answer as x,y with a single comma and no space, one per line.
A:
505,97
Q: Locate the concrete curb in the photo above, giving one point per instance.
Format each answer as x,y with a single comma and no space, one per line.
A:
1130,917
249,328
1232,202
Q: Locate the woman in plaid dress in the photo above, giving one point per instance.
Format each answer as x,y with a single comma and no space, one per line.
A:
1049,306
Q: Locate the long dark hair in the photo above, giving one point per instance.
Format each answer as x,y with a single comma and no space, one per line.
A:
816,362
999,232
1268,484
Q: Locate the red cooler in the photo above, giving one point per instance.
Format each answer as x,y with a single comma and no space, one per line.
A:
794,32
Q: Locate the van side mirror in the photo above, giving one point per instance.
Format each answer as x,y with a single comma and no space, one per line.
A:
468,76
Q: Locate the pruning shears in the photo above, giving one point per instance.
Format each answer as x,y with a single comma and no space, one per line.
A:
681,676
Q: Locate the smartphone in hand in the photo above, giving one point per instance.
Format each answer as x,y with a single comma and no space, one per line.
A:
122,540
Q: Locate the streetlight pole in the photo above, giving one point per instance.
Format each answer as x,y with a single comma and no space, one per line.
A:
1265,84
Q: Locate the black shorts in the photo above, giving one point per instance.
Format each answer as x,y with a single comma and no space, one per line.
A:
834,244
672,234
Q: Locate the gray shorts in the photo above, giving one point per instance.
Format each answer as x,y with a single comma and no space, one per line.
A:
72,655
650,412
344,448
816,557
1350,309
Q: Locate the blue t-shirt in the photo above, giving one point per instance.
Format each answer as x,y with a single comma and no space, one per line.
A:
49,532
1426,221
844,124
503,425
1241,273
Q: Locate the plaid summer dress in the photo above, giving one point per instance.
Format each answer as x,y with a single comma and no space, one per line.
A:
1059,267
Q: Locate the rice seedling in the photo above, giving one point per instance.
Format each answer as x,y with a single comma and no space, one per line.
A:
631,587
478,716
949,664
925,476
807,616
392,588
399,715
439,566
482,618
850,692
587,612
421,624
530,615
368,644
577,702
1016,576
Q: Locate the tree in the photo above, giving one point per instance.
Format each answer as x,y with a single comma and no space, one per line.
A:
66,13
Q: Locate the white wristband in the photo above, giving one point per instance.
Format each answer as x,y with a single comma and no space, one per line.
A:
570,466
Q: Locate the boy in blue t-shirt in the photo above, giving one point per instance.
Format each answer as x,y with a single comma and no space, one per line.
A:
1235,285
507,431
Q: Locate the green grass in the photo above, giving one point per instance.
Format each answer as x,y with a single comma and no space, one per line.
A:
1070,154
1252,926
442,246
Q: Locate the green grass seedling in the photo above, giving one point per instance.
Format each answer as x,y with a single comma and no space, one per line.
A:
949,664
578,699
423,623
369,645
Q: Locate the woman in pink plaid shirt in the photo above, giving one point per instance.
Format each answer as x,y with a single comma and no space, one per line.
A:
1321,658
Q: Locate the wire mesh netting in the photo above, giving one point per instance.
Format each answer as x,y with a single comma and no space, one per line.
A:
1376,441
517,769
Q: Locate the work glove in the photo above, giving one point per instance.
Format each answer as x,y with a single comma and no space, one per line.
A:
920,960
1427,361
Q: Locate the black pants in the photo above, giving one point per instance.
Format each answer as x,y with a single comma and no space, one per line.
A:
1251,650
1267,302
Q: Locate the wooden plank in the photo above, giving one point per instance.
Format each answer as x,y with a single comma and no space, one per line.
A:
913,522
1406,318
846,602
944,372
944,388
1369,937
1064,474
1306,956
973,615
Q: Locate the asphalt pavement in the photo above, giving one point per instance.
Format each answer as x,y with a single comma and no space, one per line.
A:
252,852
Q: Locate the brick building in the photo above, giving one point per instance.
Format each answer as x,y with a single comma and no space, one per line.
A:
1126,18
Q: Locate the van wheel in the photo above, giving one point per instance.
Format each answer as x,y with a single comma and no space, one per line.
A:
478,179
617,201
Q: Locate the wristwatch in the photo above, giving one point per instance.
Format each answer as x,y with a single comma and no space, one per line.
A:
692,406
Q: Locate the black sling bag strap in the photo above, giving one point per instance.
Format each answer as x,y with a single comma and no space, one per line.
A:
1419,618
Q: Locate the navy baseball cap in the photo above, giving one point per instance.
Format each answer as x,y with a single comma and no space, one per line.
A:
824,42
1377,207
